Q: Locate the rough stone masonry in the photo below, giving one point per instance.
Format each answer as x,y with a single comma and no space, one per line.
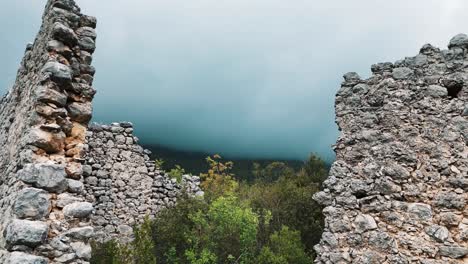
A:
62,182
397,192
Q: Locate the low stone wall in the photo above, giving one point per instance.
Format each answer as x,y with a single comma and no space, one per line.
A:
124,184
397,192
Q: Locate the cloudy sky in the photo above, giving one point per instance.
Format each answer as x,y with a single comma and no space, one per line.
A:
239,77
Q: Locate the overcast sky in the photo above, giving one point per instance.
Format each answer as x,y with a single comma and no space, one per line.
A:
239,77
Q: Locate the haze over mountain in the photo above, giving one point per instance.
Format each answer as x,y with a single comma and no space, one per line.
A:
250,78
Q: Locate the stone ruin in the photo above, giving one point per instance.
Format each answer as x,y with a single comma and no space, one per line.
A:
397,192
62,181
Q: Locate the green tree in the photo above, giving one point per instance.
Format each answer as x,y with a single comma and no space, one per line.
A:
228,230
218,180
172,226
284,247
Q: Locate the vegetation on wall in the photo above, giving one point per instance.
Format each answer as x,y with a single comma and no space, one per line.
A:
269,220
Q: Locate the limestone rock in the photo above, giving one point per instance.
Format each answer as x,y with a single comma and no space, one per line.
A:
80,112
32,203
64,34
50,142
81,233
439,233
48,95
23,258
25,232
75,186
58,71
460,40
82,250
453,251
78,209
50,177
364,222
402,73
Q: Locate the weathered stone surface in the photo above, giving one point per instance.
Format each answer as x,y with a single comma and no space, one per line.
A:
51,142
86,32
364,223
75,186
58,71
23,258
48,95
25,232
78,209
453,251
32,203
437,91
401,163
64,34
82,250
420,211
80,112
402,73
439,233
50,177
87,44
460,40
81,233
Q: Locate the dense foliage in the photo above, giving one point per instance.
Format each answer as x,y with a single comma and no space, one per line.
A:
270,220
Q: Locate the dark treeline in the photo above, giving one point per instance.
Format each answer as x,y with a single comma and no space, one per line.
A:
194,161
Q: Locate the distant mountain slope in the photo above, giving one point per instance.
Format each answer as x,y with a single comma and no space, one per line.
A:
195,163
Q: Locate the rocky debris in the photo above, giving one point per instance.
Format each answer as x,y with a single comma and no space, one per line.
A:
397,190
32,203
26,233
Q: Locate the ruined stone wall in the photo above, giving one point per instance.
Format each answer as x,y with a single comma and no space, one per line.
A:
62,183
124,184
43,121
397,192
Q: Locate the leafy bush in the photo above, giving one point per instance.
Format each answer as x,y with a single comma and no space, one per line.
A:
177,173
285,246
218,180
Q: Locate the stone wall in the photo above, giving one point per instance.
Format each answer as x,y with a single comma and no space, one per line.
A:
43,121
124,184
397,192
48,210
